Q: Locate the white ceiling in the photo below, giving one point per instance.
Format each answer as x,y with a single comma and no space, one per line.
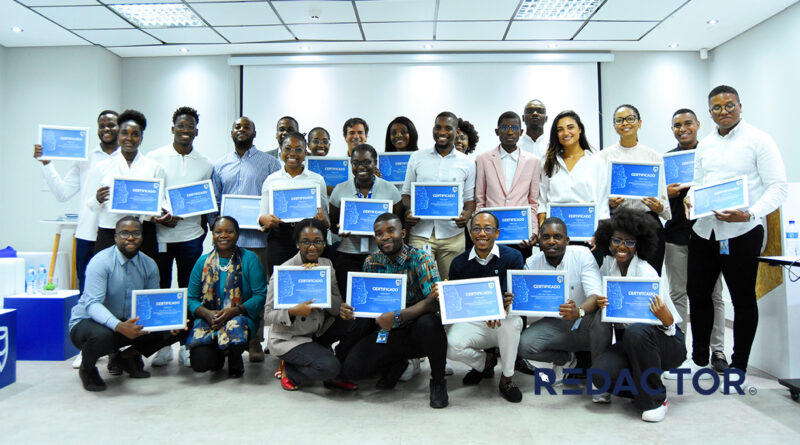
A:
370,26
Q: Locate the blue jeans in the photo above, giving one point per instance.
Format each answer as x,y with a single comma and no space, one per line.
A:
185,254
84,251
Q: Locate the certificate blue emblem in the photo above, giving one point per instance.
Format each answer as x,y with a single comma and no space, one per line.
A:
581,219
294,204
634,180
470,300
334,170
436,201
372,294
537,293
60,142
358,215
679,167
723,195
393,166
159,309
515,223
296,284
243,208
629,299
137,196
192,199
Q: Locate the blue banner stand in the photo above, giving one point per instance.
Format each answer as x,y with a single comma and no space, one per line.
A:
8,347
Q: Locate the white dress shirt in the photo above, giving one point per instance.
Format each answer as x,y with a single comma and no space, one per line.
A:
583,274
641,152
193,167
281,178
117,167
380,190
537,147
509,162
427,165
77,179
588,182
745,151
495,252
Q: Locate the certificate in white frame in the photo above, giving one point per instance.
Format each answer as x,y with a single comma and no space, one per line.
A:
272,207
680,154
556,275
570,233
204,187
116,188
229,201
165,298
44,137
730,202
657,166
343,161
648,317
459,192
452,307
392,178
284,284
345,219
523,211
402,279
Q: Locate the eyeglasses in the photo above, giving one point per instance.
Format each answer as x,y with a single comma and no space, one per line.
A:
316,243
321,141
729,107
487,230
185,127
365,163
505,128
631,119
629,243
126,234
532,110
295,150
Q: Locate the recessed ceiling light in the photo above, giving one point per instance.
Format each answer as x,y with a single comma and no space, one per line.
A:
304,48
314,18
673,45
183,50
556,9
165,15
17,29
713,22
428,46
552,45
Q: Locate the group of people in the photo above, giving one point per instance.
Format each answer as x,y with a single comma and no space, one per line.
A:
231,290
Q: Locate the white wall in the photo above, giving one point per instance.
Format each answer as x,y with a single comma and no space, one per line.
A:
762,65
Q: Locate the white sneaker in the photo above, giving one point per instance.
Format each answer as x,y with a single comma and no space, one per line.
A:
559,369
695,369
76,364
163,356
183,356
747,387
656,414
448,370
411,370
601,398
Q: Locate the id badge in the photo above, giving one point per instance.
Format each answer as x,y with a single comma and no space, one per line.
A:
724,247
162,247
427,248
365,244
383,336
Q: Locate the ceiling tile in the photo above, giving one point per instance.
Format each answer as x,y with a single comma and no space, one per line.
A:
398,31
187,35
542,30
327,11
57,2
615,30
117,37
396,10
233,14
215,1
471,30
323,31
38,31
477,9
636,10
84,17
241,34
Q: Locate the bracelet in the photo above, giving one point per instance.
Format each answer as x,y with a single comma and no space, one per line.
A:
397,319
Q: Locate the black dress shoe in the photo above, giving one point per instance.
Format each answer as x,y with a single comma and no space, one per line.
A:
524,367
719,362
134,366
473,377
510,391
114,363
439,397
235,365
391,376
91,379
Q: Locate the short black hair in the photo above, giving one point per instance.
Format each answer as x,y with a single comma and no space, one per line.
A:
296,124
365,147
635,223
413,136
125,219
635,110
226,218
509,115
722,89
472,134
316,129
352,122
188,111
104,112
295,135
556,221
447,114
484,212
388,216
309,222
684,111
132,115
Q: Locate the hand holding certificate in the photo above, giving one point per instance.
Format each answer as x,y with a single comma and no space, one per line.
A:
432,200
296,285
537,293
476,299
629,299
159,309
374,294
710,199
59,142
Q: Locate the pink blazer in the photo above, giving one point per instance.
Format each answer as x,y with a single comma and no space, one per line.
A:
490,183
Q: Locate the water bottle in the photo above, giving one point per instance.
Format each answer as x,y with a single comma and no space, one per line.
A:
30,281
792,240
42,279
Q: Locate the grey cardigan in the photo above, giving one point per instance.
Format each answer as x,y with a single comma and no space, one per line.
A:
284,333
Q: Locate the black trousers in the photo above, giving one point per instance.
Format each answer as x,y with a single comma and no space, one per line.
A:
314,360
347,262
657,258
423,337
95,340
210,357
740,269
105,239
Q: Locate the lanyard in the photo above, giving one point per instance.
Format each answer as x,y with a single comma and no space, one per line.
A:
358,191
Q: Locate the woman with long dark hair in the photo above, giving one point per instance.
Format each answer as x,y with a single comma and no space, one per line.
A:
401,135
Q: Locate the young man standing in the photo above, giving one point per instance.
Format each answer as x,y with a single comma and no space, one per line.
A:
536,139
355,132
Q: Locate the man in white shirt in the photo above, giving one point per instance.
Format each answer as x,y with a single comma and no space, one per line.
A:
535,140
730,240
444,239
76,180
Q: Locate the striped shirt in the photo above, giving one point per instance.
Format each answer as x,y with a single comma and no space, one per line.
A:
419,267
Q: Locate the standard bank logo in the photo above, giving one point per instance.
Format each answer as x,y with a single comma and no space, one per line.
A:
3,346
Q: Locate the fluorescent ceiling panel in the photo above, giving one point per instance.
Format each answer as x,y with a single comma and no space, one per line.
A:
57,2
557,9
542,30
614,30
325,31
237,14
240,34
83,17
161,15
398,31
327,12
186,35
396,10
477,9
637,10
118,37
471,30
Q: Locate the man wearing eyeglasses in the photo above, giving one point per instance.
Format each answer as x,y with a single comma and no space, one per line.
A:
101,321
466,342
535,140
729,241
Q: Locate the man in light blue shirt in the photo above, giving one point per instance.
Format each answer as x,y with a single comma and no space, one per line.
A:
101,322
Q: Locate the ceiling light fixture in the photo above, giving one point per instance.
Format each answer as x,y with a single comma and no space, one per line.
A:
552,45
304,48
428,46
673,45
556,9
314,18
713,22
17,29
165,15
183,50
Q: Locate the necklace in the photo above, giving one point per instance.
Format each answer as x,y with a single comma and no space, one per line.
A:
224,269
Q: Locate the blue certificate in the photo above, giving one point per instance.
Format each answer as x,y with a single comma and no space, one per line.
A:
136,196
296,284
159,309
393,166
59,142
580,218
436,200
192,199
629,299
634,179
372,294
476,299
679,167
334,170
358,215
515,223
537,293
295,203
724,195
243,208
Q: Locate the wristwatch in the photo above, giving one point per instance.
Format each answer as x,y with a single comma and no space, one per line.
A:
581,312
397,319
